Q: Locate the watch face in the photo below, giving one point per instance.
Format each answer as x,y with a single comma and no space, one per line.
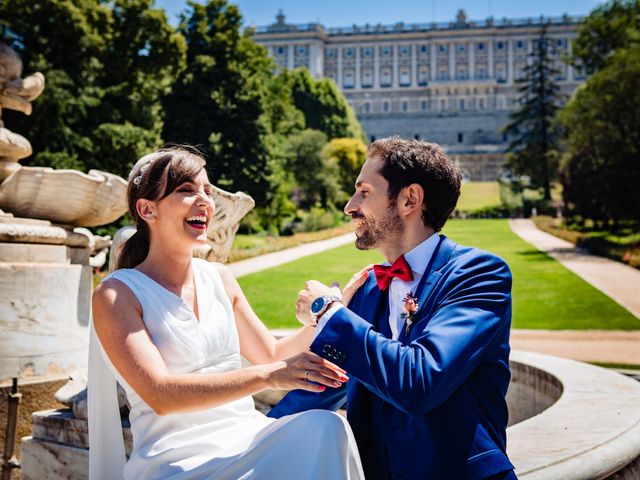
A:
317,305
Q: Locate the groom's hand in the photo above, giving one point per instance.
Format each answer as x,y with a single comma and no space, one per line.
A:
312,290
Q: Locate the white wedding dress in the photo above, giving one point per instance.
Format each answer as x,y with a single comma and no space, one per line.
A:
232,441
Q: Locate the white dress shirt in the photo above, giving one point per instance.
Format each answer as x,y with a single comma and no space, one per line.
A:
418,259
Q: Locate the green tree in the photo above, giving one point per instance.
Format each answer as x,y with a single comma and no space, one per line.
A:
533,150
106,66
349,154
219,101
316,177
606,29
323,105
601,170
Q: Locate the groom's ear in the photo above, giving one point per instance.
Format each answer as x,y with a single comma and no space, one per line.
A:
410,199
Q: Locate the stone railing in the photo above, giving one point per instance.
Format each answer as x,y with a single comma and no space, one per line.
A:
570,421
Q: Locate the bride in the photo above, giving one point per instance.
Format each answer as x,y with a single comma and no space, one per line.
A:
170,329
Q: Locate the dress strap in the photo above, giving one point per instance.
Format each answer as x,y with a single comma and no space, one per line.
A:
106,444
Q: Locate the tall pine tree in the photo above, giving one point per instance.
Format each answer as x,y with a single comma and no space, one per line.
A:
533,150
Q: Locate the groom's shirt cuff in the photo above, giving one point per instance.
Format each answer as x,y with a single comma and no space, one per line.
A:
326,316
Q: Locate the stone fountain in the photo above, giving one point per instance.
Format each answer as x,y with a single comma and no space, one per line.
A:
45,248
47,254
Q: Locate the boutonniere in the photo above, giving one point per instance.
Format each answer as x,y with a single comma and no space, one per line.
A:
409,308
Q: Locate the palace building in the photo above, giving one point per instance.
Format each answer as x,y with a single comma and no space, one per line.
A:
451,83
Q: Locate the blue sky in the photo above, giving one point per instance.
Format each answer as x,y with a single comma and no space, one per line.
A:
342,13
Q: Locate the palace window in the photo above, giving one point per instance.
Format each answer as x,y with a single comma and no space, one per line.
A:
405,106
367,107
301,50
461,47
424,105
348,79
280,51
443,73
367,78
424,49
385,51
367,52
330,53
423,75
385,106
500,45
405,77
405,50
480,46
442,48
385,77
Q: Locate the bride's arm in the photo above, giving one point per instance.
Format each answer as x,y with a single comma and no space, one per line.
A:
257,344
119,326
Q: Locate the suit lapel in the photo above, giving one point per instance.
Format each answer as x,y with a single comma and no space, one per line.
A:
438,260
375,305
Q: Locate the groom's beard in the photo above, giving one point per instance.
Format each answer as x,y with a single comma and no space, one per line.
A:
376,232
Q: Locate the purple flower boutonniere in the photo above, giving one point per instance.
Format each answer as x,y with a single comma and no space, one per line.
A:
410,307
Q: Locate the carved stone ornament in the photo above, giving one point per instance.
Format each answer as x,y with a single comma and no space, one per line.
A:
16,93
89,200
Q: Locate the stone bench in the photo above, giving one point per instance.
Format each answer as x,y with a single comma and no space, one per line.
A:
569,421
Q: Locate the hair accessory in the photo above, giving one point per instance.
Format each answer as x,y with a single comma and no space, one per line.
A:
143,168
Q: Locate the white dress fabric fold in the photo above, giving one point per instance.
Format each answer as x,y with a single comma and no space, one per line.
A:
231,441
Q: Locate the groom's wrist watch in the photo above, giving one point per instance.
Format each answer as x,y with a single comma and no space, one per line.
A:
321,305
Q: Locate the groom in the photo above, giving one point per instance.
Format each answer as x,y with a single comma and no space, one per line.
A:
425,340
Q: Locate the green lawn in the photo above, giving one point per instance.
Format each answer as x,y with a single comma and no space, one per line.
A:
477,195
546,295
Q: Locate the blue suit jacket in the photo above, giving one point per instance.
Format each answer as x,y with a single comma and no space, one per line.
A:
430,405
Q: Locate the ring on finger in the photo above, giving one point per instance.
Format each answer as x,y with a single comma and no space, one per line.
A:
306,375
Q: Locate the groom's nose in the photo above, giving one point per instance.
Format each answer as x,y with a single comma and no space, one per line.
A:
349,208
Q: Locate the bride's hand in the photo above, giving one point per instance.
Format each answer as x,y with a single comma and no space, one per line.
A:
354,284
306,371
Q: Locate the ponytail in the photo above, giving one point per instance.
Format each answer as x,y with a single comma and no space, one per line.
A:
133,252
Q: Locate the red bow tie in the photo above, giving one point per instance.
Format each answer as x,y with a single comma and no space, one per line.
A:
400,269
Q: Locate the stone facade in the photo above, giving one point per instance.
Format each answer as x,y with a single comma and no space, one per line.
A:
452,83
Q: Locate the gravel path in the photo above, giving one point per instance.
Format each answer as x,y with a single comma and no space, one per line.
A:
615,279
269,260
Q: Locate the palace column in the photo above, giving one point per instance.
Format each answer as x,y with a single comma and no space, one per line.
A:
339,74
509,45
490,72
395,72
472,60
358,81
414,65
432,60
452,61
290,50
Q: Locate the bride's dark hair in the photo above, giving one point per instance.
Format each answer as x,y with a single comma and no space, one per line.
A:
153,177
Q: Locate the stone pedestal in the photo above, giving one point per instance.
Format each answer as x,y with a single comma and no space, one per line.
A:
45,299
